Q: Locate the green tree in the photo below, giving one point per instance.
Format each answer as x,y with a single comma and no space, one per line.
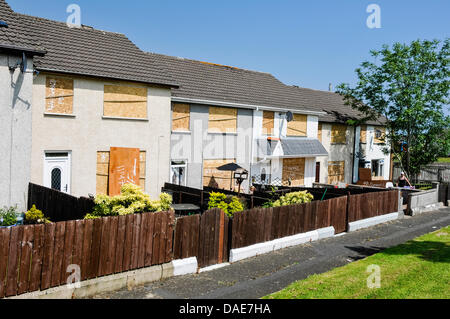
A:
406,89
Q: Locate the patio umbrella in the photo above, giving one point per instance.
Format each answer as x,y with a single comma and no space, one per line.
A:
230,167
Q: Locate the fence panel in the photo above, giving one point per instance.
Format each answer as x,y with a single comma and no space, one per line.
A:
58,206
338,214
5,234
369,205
213,238
186,240
13,260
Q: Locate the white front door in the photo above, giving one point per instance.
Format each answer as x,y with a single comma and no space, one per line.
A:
57,171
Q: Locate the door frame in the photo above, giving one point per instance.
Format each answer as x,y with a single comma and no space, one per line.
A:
69,170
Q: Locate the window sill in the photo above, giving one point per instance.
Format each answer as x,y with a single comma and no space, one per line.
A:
124,118
59,115
181,132
223,133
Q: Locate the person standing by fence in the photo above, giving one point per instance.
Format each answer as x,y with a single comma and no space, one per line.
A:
402,180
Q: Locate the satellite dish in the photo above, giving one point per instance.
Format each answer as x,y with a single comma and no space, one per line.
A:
289,116
23,65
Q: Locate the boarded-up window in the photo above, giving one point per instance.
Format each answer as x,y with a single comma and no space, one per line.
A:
180,117
319,132
222,119
268,122
125,101
293,171
103,171
336,172
379,135
59,95
212,177
338,134
298,126
363,134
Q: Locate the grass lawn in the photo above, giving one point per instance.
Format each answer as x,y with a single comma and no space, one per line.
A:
444,160
418,269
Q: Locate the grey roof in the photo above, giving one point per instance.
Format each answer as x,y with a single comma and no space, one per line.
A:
16,36
84,50
333,104
214,82
291,147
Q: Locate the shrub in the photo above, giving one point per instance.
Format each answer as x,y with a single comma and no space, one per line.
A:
132,200
294,198
8,216
35,216
229,204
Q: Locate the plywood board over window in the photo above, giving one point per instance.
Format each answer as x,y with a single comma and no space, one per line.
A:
212,177
319,132
379,134
336,172
222,119
268,122
338,134
125,101
103,171
298,126
180,117
59,95
293,171
363,134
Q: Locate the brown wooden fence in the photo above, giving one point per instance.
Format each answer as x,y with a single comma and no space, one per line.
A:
368,205
203,236
36,257
58,206
266,224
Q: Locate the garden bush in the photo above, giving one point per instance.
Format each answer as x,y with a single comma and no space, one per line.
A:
8,216
132,200
291,199
35,216
229,204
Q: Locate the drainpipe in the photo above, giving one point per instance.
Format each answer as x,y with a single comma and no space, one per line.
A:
354,155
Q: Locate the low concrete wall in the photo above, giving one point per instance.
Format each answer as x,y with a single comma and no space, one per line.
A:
115,282
266,247
424,201
369,222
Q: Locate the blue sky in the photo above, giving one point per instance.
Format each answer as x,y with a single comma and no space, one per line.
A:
307,43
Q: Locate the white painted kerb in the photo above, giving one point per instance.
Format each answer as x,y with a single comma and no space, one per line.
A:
368,222
263,248
184,266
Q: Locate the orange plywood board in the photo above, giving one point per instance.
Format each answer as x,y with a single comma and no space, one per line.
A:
124,168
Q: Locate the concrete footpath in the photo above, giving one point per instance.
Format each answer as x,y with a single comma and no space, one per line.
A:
258,276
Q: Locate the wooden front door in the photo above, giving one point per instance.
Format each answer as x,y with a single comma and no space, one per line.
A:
317,172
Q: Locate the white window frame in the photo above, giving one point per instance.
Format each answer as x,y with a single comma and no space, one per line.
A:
184,166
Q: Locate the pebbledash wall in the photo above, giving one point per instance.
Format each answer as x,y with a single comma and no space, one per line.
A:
15,128
372,151
274,166
87,132
342,152
198,144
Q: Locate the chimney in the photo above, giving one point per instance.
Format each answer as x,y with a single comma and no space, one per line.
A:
330,87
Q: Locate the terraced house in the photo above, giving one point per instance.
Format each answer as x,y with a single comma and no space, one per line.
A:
222,114
91,92
83,110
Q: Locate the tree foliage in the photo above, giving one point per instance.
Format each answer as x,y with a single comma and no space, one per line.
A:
406,88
